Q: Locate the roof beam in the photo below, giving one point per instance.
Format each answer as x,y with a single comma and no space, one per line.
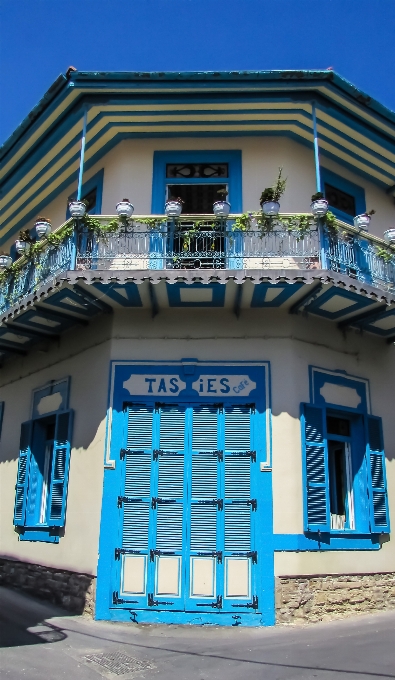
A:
61,316
154,302
306,299
238,296
368,316
27,333
92,299
5,347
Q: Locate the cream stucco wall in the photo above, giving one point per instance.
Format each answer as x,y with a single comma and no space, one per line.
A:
290,343
128,173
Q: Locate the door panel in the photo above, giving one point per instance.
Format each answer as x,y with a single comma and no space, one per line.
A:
188,511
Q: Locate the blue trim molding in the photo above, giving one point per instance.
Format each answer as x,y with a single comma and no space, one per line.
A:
212,295
234,181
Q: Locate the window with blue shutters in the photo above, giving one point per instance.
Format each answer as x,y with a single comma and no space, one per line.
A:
344,472
42,476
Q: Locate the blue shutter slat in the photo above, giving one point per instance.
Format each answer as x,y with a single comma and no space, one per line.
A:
237,428
379,513
171,476
22,480
237,477
315,464
169,526
203,527
204,429
204,476
60,470
140,420
136,525
237,527
172,429
136,514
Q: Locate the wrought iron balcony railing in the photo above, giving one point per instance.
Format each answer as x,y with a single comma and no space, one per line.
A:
204,242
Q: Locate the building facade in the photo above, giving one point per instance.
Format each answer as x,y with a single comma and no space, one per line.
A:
198,412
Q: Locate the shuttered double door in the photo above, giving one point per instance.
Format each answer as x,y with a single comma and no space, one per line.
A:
188,510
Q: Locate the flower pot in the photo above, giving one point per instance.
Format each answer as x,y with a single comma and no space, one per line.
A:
270,208
42,229
5,261
173,208
389,236
221,208
125,209
319,208
22,247
77,208
362,222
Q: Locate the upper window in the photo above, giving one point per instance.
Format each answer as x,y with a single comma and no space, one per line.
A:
41,488
344,468
196,177
345,198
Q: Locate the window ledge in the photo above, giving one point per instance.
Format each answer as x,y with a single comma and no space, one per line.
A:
40,535
326,541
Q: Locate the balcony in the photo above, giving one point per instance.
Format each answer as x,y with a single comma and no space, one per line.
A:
341,274
203,242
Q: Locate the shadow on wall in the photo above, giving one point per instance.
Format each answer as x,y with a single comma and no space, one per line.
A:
25,621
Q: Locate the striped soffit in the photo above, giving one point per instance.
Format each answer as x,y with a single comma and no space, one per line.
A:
41,158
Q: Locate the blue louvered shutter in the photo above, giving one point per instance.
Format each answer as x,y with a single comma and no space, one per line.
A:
22,480
238,463
56,512
170,504
378,497
204,479
136,511
315,464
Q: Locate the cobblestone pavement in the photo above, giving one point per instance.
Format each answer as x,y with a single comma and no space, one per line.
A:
40,642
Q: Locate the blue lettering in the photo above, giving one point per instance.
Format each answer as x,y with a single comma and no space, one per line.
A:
174,383
162,386
150,381
210,382
201,388
224,382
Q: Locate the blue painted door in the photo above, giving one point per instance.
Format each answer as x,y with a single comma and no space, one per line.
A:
188,509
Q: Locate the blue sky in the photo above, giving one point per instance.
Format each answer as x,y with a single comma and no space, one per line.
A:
41,38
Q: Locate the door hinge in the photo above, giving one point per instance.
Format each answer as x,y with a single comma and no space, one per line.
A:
122,453
118,600
251,553
217,554
163,501
253,503
152,553
214,605
214,501
249,605
219,454
156,603
125,551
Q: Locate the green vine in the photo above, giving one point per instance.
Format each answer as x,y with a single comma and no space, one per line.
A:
300,225
385,254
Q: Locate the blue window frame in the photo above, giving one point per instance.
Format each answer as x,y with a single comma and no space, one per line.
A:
344,472
92,190
43,466
160,181
354,191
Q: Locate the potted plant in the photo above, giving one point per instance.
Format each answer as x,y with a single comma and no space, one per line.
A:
221,208
173,207
389,236
319,205
362,221
23,243
5,260
125,208
43,227
270,196
77,208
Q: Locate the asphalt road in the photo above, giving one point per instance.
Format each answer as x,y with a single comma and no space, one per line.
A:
41,642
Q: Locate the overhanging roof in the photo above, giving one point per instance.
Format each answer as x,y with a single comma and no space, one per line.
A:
41,157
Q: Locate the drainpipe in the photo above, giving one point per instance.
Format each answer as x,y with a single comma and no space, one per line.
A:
79,190
82,156
318,184
316,149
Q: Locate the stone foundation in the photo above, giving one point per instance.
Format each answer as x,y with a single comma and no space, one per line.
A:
72,591
309,599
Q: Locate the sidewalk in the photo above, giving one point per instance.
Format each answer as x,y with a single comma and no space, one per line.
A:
42,642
